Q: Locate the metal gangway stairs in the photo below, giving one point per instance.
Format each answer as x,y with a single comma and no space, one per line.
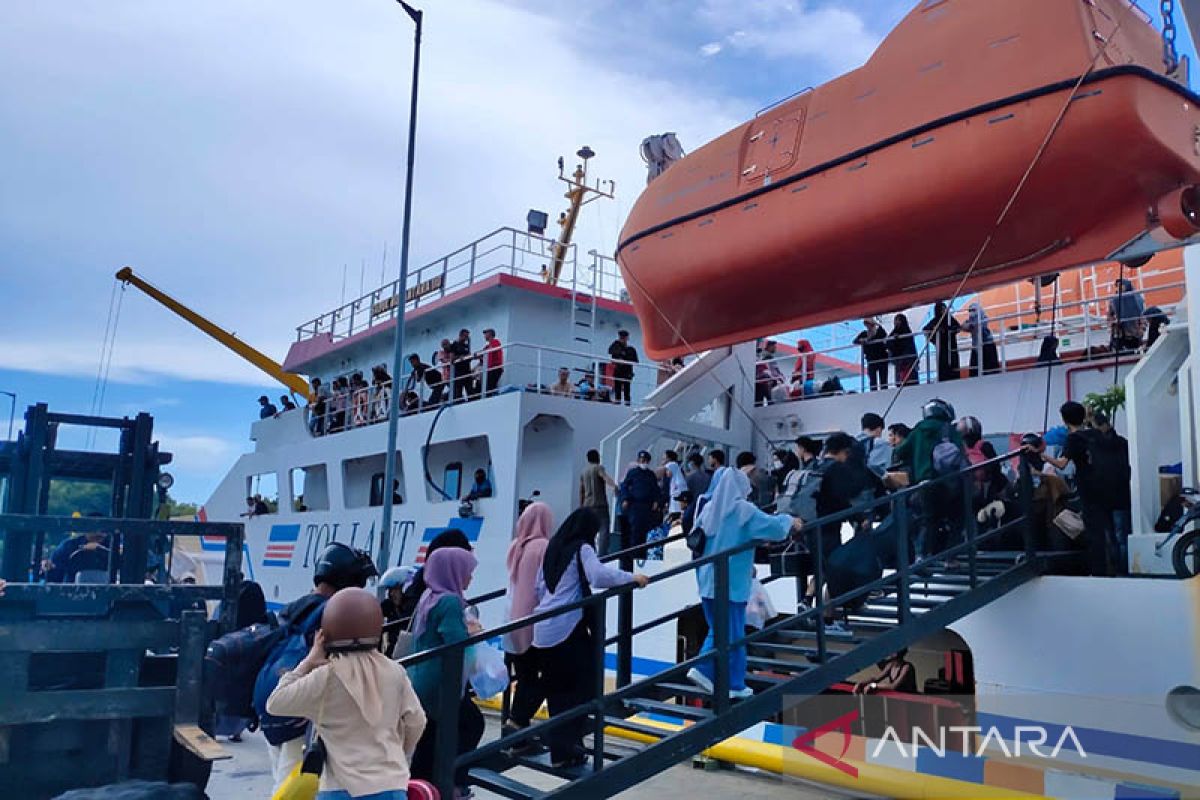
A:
789,660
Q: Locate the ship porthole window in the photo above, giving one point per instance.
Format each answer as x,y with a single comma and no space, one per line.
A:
1183,705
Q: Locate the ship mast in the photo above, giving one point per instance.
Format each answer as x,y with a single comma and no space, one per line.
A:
579,194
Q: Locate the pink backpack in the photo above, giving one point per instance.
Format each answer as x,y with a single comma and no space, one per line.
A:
422,790
975,455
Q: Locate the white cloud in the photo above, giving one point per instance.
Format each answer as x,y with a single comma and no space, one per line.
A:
838,38
136,362
710,49
198,454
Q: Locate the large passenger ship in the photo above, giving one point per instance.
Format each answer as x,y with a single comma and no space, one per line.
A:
1113,661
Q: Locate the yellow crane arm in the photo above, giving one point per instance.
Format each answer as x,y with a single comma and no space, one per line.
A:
291,380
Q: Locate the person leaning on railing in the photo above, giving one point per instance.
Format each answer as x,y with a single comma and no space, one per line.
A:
318,406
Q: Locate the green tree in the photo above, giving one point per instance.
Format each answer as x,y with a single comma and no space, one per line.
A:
176,508
67,497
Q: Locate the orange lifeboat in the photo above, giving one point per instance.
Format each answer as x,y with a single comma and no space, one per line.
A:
879,189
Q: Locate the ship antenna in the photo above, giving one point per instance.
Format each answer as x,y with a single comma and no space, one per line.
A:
579,194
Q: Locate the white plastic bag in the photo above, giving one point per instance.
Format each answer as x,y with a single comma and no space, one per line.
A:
486,671
759,608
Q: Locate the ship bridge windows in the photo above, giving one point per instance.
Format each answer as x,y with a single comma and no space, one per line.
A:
452,464
310,488
263,489
363,477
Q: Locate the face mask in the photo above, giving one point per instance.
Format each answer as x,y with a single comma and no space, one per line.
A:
778,464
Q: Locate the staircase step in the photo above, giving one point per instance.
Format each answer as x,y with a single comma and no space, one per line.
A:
684,690
830,638
790,649
948,583
933,590
875,613
915,602
504,786
833,644
637,727
767,681
776,665
668,709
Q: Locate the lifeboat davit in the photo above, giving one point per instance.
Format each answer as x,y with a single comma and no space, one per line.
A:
878,189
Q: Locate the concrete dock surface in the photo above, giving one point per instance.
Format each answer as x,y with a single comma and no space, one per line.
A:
248,775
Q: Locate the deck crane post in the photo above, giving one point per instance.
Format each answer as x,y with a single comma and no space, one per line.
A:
295,383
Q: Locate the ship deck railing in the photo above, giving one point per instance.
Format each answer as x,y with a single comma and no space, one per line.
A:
1083,336
527,367
504,251
887,605
1089,302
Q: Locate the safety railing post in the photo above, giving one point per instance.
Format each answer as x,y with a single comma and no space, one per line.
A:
1025,495
624,625
900,513
819,593
969,524
471,271
539,369
450,693
722,635
1003,348
599,637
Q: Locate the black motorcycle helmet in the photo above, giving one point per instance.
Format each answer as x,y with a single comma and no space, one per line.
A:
938,409
1032,440
341,566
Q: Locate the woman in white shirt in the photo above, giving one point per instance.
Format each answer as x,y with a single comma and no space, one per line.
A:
570,571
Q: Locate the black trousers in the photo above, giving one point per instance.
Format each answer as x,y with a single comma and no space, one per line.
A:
461,387
568,676
492,379
470,731
1098,529
621,388
531,690
877,374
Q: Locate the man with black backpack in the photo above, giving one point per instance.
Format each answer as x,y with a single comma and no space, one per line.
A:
1098,475
338,567
1113,468
934,449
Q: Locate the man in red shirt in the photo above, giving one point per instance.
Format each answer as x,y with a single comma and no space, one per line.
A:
493,361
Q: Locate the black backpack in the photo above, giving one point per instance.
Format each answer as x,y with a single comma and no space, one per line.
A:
232,664
1108,457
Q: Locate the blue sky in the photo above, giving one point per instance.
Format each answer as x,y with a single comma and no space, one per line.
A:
240,154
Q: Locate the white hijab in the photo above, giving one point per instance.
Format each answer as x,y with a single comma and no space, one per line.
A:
728,504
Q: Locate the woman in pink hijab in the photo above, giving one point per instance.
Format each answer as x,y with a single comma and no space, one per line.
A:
534,528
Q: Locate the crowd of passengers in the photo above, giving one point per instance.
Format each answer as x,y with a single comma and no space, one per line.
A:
455,372
892,357
378,722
